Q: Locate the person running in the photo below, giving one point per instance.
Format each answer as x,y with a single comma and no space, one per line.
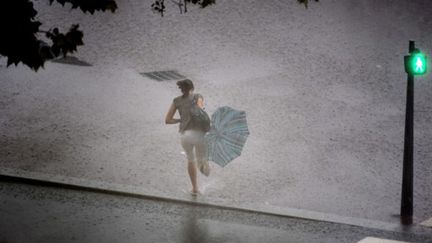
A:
190,136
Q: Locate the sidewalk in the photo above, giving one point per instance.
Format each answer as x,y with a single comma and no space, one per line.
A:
79,184
35,213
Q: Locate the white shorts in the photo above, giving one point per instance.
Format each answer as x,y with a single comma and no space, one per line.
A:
191,139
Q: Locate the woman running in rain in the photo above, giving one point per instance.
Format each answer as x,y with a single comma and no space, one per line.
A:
190,136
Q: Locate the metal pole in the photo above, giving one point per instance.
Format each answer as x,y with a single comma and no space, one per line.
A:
408,162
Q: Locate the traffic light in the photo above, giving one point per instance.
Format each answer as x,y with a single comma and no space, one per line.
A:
416,63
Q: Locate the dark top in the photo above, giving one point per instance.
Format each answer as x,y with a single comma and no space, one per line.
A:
183,104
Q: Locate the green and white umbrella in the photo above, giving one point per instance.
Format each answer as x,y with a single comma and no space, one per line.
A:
227,135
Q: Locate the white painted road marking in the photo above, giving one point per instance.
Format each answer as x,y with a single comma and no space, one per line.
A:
427,223
378,240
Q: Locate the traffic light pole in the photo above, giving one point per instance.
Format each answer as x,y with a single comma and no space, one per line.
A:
408,162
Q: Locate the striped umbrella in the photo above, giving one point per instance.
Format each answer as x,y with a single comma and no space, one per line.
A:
227,135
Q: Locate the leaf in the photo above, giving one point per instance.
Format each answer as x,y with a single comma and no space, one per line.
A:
19,42
305,2
202,3
158,6
45,50
90,5
66,43
9,61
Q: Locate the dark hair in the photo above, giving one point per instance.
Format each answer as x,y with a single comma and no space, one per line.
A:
185,85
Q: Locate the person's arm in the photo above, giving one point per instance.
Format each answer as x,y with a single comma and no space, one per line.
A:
200,102
169,118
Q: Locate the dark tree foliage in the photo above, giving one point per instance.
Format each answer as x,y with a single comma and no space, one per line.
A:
64,43
22,40
159,5
305,2
90,5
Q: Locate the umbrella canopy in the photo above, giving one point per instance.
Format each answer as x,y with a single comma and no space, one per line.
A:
227,135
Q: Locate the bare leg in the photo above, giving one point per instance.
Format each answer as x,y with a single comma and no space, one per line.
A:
193,175
201,155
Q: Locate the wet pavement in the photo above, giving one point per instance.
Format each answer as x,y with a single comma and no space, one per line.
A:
324,100
34,213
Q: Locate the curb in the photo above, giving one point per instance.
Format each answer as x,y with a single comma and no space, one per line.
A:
42,179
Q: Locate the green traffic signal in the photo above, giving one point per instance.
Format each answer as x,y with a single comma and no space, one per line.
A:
416,64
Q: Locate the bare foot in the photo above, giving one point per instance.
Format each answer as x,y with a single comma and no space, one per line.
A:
204,168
